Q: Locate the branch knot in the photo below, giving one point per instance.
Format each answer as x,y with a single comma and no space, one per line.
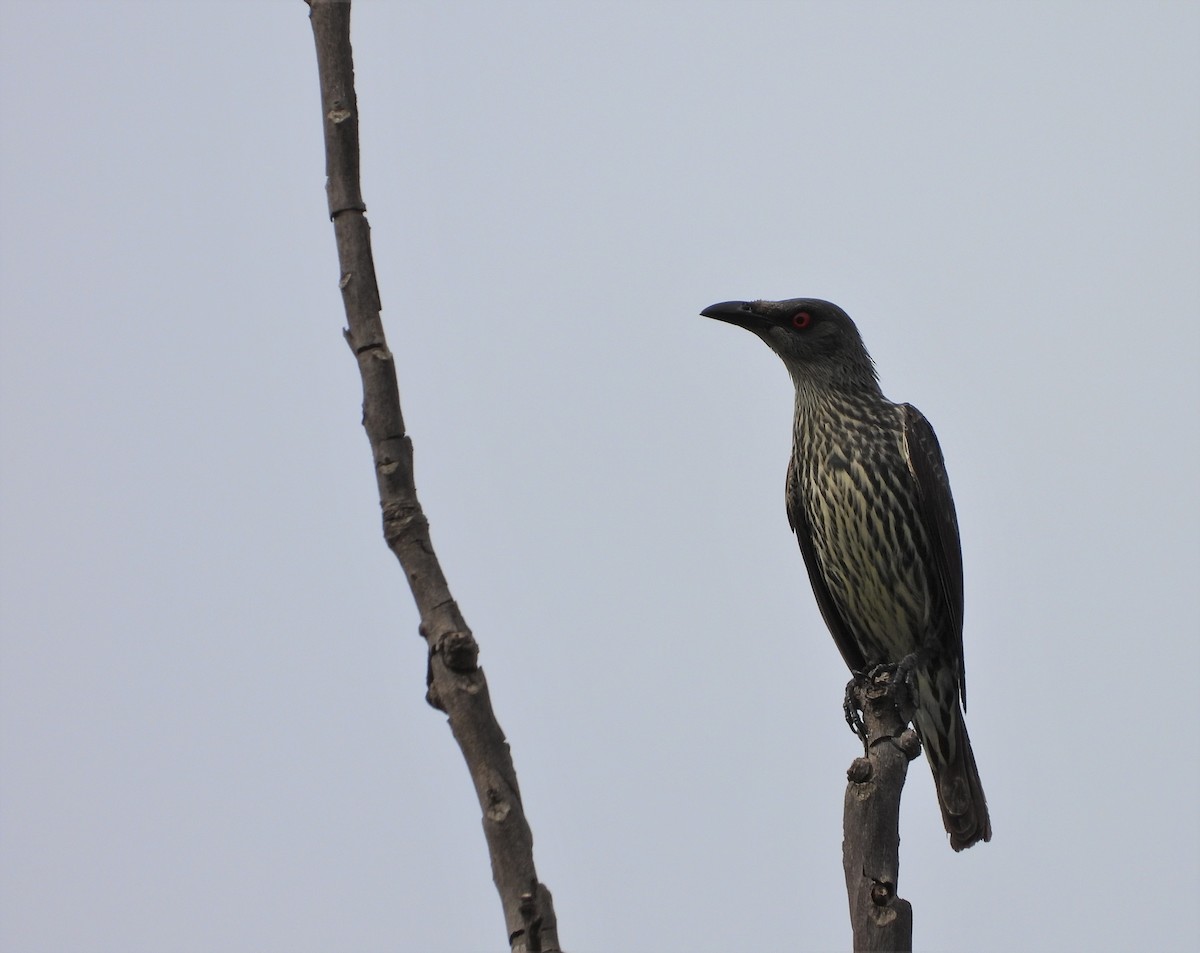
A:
459,651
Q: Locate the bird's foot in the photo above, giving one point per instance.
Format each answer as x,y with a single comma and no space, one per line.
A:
899,679
850,707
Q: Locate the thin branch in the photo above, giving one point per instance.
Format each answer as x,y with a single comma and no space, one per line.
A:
456,684
881,920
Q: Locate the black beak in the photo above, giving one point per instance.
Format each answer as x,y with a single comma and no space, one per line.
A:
735,312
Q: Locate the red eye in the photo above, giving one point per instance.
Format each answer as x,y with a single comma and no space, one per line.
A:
801,320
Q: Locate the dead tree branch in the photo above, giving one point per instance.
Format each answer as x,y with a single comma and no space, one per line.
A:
881,920
456,684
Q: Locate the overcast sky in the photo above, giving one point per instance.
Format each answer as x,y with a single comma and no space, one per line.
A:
212,727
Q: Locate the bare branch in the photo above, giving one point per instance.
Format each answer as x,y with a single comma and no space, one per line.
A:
881,920
456,684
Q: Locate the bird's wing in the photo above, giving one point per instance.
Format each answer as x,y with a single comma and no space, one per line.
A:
941,525
843,637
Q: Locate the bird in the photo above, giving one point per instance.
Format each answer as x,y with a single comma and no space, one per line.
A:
869,501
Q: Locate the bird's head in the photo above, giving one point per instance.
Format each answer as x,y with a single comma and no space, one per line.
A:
816,339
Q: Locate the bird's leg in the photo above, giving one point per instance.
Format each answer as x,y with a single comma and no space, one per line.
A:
904,685
850,707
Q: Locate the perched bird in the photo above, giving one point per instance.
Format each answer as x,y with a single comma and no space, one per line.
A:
869,501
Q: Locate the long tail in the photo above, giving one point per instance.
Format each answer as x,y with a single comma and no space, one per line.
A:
943,732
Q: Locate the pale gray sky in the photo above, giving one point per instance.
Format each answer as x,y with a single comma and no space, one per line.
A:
212,726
